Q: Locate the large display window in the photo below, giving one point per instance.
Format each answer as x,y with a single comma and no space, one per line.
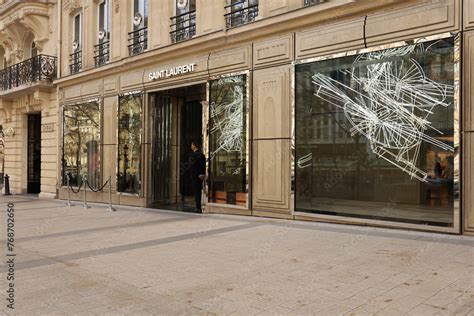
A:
227,152
377,134
129,143
81,143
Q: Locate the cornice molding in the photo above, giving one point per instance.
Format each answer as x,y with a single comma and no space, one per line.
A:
284,23
69,6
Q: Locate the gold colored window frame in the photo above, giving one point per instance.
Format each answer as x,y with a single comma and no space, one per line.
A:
456,228
205,140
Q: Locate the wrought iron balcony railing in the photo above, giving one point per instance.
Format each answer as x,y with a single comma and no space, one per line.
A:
101,53
138,41
183,26
312,2
37,68
75,62
240,13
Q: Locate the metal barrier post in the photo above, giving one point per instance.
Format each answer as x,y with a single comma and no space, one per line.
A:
110,208
84,179
68,192
7,185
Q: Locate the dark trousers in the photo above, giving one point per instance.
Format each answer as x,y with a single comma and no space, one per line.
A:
197,188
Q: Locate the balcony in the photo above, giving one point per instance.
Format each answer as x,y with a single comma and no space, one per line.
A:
138,41
101,53
75,62
183,26
240,13
35,69
307,3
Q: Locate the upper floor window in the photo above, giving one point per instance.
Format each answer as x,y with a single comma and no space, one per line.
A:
183,24
75,58
101,50
34,50
29,47
3,61
311,2
138,37
241,12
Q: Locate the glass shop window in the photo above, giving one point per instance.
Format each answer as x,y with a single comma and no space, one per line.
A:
227,141
81,143
376,135
129,143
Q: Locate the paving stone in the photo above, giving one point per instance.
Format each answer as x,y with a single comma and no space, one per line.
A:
134,262
424,309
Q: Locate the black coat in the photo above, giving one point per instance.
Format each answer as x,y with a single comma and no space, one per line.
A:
197,163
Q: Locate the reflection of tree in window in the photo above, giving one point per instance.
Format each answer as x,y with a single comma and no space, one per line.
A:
81,139
129,143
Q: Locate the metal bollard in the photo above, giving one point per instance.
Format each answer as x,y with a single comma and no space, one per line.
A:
110,208
84,179
68,192
7,185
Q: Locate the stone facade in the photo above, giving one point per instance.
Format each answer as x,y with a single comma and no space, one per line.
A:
283,34
21,26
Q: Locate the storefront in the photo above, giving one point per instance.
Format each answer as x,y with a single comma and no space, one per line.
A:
141,131
350,122
377,133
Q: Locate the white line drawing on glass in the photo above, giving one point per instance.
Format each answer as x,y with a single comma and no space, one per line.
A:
389,102
305,161
228,119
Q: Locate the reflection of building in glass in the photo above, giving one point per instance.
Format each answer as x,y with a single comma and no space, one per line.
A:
390,105
81,150
227,140
129,143
373,106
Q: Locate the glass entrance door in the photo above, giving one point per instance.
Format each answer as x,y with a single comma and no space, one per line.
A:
34,153
176,122
161,159
191,131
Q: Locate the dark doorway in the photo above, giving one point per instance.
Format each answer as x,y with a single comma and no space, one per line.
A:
161,160
34,153
191,130
176,122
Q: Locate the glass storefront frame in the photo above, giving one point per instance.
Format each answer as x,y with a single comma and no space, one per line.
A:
205,139
141,136
63,106
456,228
147,127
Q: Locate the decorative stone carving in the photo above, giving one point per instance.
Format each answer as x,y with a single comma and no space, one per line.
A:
39,44
18,54
72,5
28,18
6,106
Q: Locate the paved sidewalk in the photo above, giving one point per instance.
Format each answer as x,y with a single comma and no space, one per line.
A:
142,262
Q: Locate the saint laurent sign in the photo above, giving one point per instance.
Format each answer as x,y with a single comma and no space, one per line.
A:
171,72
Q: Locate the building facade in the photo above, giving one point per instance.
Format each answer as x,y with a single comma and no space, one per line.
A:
338,111
28,98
